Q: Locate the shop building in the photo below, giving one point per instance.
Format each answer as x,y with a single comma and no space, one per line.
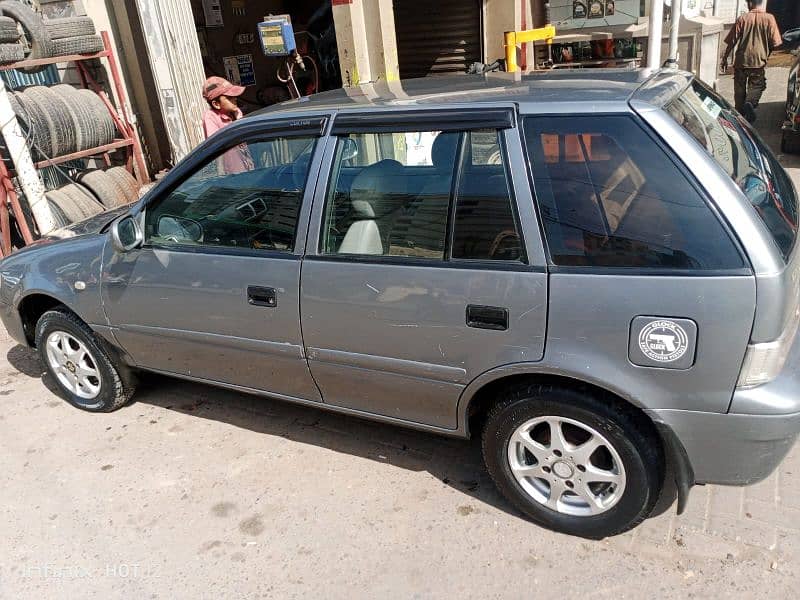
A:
168,47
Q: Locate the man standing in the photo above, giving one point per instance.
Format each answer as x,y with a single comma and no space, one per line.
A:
755,36
223,109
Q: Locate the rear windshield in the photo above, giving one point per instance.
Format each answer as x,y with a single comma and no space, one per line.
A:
744,156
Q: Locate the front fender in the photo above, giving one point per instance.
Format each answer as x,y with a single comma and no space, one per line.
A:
68,271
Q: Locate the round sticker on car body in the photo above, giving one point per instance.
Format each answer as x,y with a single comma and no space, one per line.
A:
663,341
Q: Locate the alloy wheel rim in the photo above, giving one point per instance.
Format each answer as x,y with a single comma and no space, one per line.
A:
566,466
73,365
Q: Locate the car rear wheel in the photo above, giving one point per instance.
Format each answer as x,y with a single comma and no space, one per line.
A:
86,374
571,461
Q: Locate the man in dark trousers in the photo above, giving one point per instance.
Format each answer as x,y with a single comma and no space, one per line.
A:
755,35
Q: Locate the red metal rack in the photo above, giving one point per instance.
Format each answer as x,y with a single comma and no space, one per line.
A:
127,140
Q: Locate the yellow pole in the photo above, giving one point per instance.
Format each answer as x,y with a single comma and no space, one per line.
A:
510,38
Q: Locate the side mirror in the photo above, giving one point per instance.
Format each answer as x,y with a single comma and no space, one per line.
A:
126,234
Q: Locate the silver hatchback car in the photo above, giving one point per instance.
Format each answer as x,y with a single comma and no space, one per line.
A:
594,271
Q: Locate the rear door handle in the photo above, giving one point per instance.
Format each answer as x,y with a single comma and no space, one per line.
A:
262,296
487,317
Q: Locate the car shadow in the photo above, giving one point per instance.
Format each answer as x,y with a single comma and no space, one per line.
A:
456,463
27,361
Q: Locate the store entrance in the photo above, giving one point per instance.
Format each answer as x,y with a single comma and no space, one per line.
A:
231,48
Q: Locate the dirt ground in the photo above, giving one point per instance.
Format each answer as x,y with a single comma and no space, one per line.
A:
195,492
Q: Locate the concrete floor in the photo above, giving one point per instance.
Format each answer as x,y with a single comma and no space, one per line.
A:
194,492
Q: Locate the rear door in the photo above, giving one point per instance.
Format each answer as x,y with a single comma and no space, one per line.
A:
419,273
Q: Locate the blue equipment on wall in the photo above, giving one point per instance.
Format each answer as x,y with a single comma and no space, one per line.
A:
277,35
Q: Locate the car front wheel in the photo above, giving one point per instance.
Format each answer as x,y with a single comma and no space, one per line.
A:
573,461
87,375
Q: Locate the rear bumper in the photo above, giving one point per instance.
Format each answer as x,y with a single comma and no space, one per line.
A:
731,449
13,323
749,442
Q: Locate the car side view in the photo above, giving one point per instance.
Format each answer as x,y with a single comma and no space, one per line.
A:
595,272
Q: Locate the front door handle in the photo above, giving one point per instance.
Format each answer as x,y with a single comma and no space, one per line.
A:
487,317
262,296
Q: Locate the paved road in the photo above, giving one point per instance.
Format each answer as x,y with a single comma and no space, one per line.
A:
194,492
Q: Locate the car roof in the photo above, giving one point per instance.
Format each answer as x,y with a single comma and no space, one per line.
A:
553,87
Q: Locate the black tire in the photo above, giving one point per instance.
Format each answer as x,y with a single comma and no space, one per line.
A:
60,219
790,142
33,28
36,125
84,44
11,53
103,187
66,206
59,117
74,203
69,27
115,386
636,446
125,182
83,199
9,32
87,134
102,118
66,133
17,108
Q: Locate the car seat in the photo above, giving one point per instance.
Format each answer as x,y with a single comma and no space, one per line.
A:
376,192
420,229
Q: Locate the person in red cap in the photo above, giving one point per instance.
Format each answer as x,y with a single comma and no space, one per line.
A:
221,96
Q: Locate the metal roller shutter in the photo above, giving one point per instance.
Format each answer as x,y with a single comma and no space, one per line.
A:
437,37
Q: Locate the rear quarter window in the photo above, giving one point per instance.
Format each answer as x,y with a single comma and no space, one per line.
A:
743,156
609,196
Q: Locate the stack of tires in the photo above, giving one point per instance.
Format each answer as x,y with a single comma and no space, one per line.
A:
10,48
95,191
61,119
72,203
24,34
112,187
72,35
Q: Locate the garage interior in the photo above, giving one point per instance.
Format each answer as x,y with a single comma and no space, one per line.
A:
237,36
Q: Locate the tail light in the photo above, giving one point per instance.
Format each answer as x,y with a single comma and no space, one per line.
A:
764,362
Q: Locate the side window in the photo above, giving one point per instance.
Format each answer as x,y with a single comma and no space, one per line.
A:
247,197
609,196
391,195
485,227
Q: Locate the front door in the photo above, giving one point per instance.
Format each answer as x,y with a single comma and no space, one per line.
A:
418,277
214,292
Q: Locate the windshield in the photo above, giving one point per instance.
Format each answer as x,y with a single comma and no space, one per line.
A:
744,156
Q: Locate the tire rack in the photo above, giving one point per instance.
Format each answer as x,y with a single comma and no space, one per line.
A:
127,139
